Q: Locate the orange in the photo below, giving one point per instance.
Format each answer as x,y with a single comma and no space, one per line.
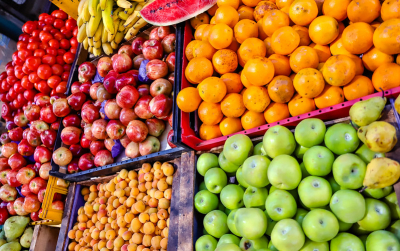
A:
331,95
304,57
232,105
232,82
386,37
386,77
341,27
252,119
261,33
374,58
210,113
261,8
208,132
276,112
267,43
285,40
203,49
234,46
323,30
390,10
233,3
256,99
220,36
250,48
339,70
230,125
188,99
283,3
207,32
357,37
244,80
281,89
212,89
336,9
225,61
251,3
200,19
337,47
359,64
198,34
189,49
363,10
323,52
303,33
212,10
245,29
300,105
309,82
198,69
273,20
259,71
281,64
320,66
292,76
245,12
226,15
359,87
375,24
302,12
212,21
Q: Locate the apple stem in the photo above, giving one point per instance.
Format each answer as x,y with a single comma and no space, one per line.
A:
363,189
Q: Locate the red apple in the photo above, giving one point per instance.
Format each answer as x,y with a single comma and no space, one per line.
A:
36,184
103,94
90,113
61,108
8,193
156,69
10,208
137,45
86,71
71,120
17,161
12,178
104,66
35,167
31,203
19,207
35,216
3,176
125,141
152,49
109,143
48,138
47,114
127,115
86,161
16,134
62,156
135,74
132,150
124,79
9,149
75,87
55,125
169,138
142,108
164,31
33,138
99,129
93,90
42,154
126,49
103,158
137,131
43,101
73,166
25,149
96,146
25,190
171,62
149,145
127,97
85,87
161,106
168,43
70,135
44,171
25,133
3,215
57,205
76,150
39,126
156,126
4,164
85,143
76,101
20,119
170,117
41,194
109,82
115,129
88,132
160,86
137,61
122,63
154,34
4,138
112,110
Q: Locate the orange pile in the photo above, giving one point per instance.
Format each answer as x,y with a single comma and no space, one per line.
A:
256,62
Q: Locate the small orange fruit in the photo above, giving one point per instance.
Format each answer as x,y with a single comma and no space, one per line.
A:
359,87
323,30
337,47
261,8
208,132
252,119
276,112
359,64
189,49
233,3
234,46
281,89
363,10
225,61
341,27
188,99
339,70
200,19
226,15
212,21
285,40
203,49
212,89
331,95
302,12
232,82
250,48
198,34
336,9
251,3
245,29
281,64
387,36
230,125
375,24
198,69
244,80
304,57
232,105
273,20
390,9
309,83
357,37
245,12
300,105
261,33
386,76
255,98
259,71
207,32
211,11
210,113
374,58
283,3
267,43
323,52
303,33
220,36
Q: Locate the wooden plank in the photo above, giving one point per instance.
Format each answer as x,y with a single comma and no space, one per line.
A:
63,235
173,233
44,238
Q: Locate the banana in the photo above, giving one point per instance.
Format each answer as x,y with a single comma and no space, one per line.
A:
122,15
121,27
132,19
107,48
104,35
124,4
107,16
90,49
85,12
93,7
103,4
80,21
99,32
93,24
97,51
381,172
81,33
112,36
90,41
114,45
86,43
135,29
130,10
96,44
80,6
116,12
118,38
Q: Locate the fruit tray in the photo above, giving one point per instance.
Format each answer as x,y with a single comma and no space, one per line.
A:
182,207
187,129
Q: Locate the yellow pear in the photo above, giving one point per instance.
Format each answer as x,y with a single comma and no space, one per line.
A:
381,172
380,136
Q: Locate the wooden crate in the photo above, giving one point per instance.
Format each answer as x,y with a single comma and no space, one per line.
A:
44,238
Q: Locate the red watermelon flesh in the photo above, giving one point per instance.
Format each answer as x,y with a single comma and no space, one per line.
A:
168,12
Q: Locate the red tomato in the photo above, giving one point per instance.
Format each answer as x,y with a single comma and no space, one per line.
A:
75,32
59,36
24,37
13,94
26,83
45,36
35,33
3,97
73,50
44,72
5,85
49,59
33,46
18,72
12,79
43,16
24,54
58,23
67,67
41,24
59,14
49,20
44,45
39,53
61,87
18,87
53,43
60,60
17,60
33,63
34,39
67,33
57,69
69,57
25,69
3,76
48,28
61,52
20,101
74,42
65,44
51,51
30,94
21,45
33,77
53,81
29,27
65,76
70,24
43,87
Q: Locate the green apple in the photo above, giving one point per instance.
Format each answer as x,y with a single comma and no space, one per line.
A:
231,222
292,192
395,228
206,243
255,197
348,205
232,196
315,192
315,246
278,140
215,180
320,225
341,138
358,230
300,214
205,201
304,172
367,154
254,171
228,247
240,179
391,201
205,232
280,204
334,185
343,226
349,171
247,218
318,161
378,193
238,148
377,216
202,186
310,132
346,241
382,240
257,149
227,166
287,235
205,162
215,223
254,245
300,151
272,247
228,238
284,172
270,225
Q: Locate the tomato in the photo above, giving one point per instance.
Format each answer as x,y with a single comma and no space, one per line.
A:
24,54
44,71
57,69
59,36
51,51
18,87
74,42
20,101
45,36
67,67
3,97
33,77
53,43
25,69
59,14
43,16
17,60
29,27
70,24
75,32
3,76
35,33
18,72
49,59
33,46
24,37
21,45
13,94
30,94
43,87
61,87
34,39
44,45
39,53
67,33
65,76
53,81
33,63
58,23
65,44
26,83
41,24
5,85
48,28
69,57
73,50
61,52
49,19
60,60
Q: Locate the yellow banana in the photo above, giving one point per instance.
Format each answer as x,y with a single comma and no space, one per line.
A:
107,48
116,12
93,7
132,19
121,27
80,6
381,172
122,15
90,41
114,45
81,33
118,38
107,17
97,51
104,35
124,4
130,10
112,36
135,29
93,24
80,21
96,44
90,49
85,12
99,32
86,43
103,4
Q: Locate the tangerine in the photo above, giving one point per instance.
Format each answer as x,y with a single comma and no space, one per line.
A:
339,70
273,20
245,12
390,10
252,119
331,95
281,89
226,15
267,43
303,57
261,8
232,82
198,34
259,71
276,112
283,3
357,37
387,37
232,105
251,3
336,9
212,89
300,105
386,77
230,125
225,61
359,64
244,80
285,40
363,10
200,19
208,132
303,12
323,52
250,48
220,36
256,99
281,64
309,82
303,33
234,46
337,47
245,29
210,113
261,33
233,3
188,99
323,30
207,32
189,49
359,87
198,69
212,21
203,49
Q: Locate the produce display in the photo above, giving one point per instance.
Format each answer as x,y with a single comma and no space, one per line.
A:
319,188
128,213
121,110
254,62
16,235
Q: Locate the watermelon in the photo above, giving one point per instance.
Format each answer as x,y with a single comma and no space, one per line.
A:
169,12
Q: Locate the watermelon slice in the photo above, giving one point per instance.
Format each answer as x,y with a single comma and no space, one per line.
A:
169,12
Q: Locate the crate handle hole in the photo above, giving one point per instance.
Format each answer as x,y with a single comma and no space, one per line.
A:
279,123
259,128
320,111
331,108
342,104
309,114
298,117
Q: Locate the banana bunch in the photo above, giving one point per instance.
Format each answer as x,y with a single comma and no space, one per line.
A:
103,24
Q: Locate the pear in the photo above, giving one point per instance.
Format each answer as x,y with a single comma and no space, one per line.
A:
365,112
26,238
361,132
397,104
381,172
380,136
